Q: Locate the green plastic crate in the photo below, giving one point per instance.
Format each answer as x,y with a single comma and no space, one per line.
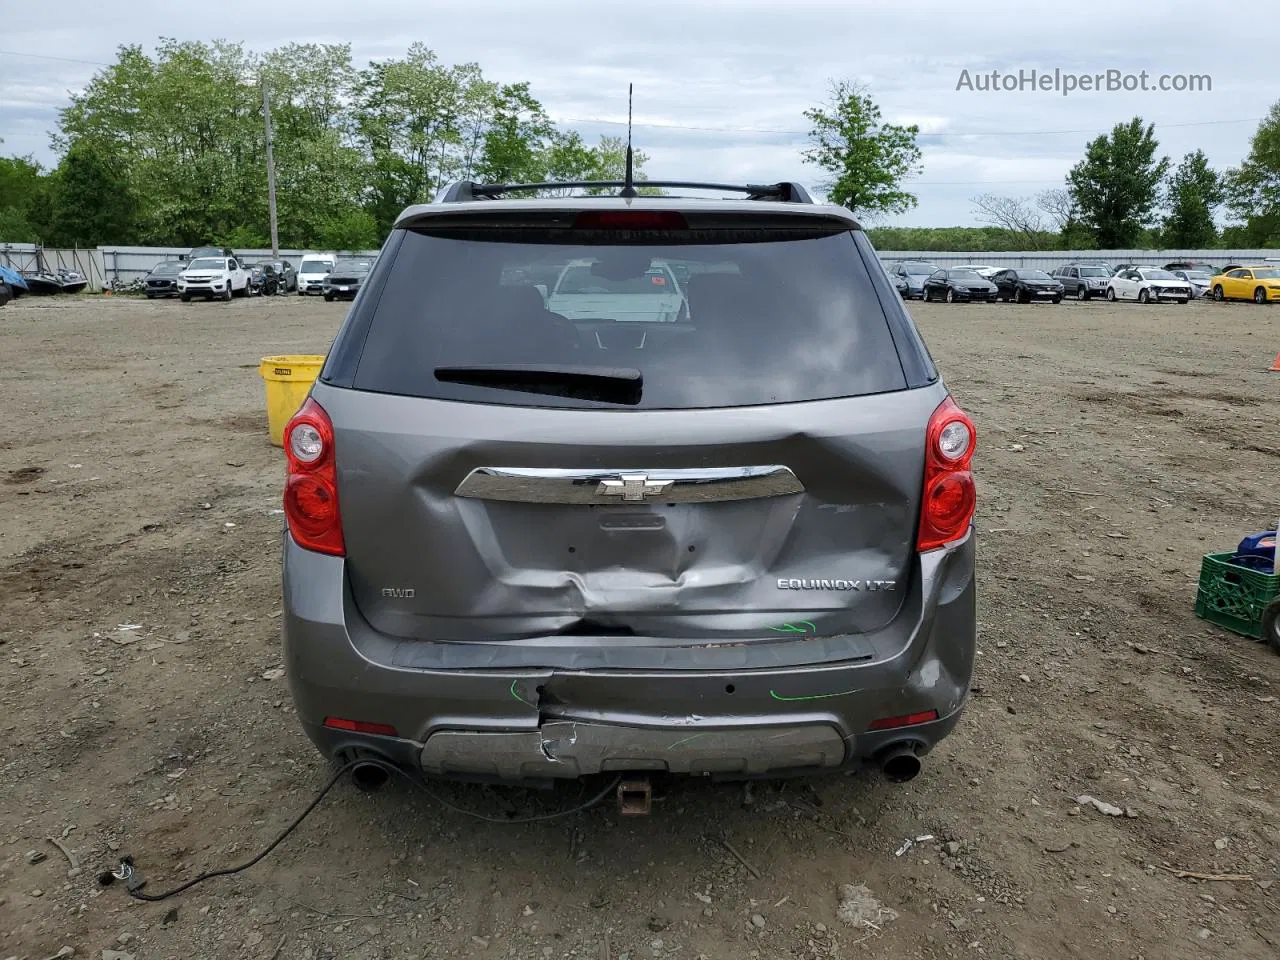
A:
1234,597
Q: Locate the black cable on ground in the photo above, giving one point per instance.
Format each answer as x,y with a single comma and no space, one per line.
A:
135,883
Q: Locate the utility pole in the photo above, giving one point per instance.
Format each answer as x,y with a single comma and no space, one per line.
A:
271,174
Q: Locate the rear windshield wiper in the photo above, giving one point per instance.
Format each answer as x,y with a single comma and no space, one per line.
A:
604,384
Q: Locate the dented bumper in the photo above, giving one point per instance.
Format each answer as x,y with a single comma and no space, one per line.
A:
564,707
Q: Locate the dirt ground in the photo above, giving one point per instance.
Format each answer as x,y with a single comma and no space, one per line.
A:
139,604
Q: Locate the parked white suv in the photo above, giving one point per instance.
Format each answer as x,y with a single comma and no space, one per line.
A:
312,271
210,277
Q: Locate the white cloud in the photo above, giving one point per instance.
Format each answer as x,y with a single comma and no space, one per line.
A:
746,68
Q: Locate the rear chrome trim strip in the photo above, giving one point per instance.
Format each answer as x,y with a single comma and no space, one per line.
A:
697,485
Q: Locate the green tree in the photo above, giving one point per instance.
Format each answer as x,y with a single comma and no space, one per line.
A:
186,127
354,229
568,158
1193,192
421,124
321,171
1253,188
1116,186
609,162
92,200
517,140
955,239
24,190
867,158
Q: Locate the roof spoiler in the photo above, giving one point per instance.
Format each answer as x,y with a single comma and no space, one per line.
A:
465,191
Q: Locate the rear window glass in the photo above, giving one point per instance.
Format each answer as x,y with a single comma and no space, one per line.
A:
754,322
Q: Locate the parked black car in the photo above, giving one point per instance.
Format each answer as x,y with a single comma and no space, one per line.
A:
1082,280
1025,285
952,285
1188,265
343,281
162,281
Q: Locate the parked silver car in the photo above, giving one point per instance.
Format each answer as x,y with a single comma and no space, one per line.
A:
523,546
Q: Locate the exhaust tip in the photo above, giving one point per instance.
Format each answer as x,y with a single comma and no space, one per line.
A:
370,777
900,765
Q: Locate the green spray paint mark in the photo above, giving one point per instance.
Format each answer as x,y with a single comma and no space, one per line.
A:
520,698
812,696
808,627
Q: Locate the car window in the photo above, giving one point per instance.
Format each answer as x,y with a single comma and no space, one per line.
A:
759,322
360,264
314,266
1269,273
580,279
920,269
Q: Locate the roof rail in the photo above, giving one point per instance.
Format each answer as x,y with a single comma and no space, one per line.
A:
466,190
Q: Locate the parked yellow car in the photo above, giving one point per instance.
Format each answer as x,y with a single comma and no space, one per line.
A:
1259,283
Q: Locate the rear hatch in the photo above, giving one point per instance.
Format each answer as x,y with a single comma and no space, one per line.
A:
749,467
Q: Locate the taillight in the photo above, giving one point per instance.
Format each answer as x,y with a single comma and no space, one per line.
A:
949,495
311,487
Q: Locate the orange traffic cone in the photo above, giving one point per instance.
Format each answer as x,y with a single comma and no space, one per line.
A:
1275,364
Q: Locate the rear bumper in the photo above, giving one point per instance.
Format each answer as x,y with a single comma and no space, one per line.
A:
527,712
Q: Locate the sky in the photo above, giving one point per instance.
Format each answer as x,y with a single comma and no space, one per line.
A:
721,86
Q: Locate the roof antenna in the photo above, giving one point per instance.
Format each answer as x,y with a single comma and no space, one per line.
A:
629,186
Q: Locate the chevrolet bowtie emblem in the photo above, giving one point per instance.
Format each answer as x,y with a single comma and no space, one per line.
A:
633,487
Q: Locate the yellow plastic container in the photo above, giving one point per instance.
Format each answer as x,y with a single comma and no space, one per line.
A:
288,381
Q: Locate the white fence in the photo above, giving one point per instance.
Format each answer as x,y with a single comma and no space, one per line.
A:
106,264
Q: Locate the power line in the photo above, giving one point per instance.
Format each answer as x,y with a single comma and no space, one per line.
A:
976,183
45,56
955,133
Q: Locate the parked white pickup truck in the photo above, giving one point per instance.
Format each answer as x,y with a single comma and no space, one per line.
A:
209,277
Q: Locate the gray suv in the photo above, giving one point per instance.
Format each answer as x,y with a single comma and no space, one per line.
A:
1083,280
730,539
